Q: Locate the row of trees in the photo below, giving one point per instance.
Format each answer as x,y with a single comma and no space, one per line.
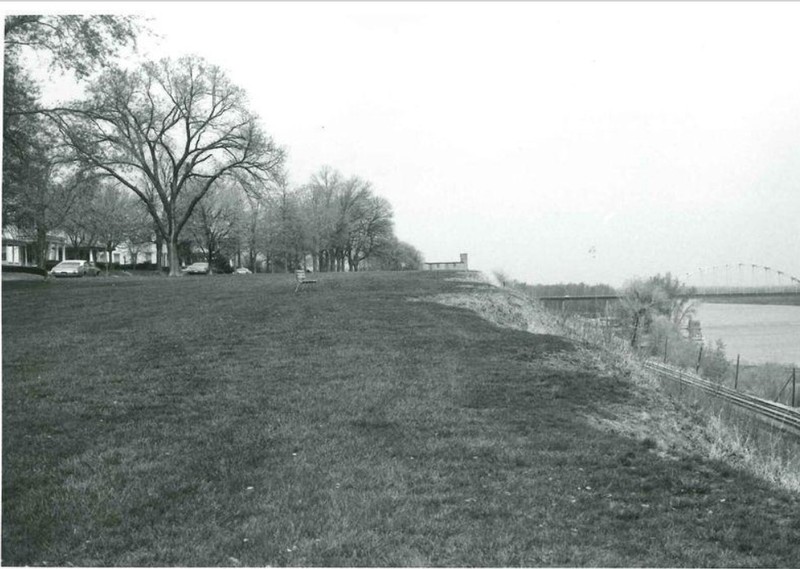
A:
169,152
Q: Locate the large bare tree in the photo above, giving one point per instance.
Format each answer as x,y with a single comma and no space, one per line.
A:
371,230
164,128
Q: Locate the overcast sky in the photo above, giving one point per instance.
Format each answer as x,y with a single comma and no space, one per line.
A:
557,142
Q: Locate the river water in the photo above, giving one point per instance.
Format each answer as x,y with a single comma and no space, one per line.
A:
759,333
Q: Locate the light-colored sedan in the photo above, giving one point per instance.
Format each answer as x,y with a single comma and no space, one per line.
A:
76,268
197,269
243,271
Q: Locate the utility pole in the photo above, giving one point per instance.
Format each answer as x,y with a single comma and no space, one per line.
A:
736,381
699,358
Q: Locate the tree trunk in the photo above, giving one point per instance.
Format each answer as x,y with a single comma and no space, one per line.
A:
635,330
108,258
172,254
41,247
159,251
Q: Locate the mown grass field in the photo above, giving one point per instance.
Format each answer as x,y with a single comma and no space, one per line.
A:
225,420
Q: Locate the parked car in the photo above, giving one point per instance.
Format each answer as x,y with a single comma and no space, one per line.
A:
243,271
75,268
197,269
92,269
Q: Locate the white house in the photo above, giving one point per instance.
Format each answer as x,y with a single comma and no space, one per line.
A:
18,247
144,253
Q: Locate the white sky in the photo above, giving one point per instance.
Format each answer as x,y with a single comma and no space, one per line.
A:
557,142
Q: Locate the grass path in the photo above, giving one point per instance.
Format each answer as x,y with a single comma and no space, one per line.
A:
227,421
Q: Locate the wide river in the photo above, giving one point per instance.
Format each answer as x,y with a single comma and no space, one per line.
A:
759,333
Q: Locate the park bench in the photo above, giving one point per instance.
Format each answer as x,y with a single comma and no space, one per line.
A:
300,275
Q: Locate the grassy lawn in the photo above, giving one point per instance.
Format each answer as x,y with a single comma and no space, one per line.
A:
224,420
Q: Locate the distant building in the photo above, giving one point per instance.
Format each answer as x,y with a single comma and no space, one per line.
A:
461,265
132,254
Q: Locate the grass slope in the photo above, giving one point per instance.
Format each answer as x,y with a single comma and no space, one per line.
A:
227,421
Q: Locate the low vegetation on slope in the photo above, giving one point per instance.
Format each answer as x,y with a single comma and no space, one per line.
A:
227,421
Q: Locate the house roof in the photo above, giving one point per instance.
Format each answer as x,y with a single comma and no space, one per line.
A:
12,235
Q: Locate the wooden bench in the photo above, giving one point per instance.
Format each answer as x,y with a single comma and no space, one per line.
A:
300,275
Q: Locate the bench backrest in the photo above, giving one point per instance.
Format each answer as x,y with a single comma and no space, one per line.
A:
300,275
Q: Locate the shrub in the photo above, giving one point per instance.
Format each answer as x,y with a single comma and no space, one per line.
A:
28,270
139,267
221,265
714,364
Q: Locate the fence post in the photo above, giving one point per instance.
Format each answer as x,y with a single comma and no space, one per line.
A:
736,380
666,343
699,357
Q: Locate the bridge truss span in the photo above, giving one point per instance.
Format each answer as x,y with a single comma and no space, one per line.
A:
741,279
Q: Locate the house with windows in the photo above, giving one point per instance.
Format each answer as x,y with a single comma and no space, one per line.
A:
130,254
460,265
18,247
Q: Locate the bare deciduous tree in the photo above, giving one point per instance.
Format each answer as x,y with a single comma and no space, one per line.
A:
139,234
345,222
371,229
111,216
320,212
176,125
214,223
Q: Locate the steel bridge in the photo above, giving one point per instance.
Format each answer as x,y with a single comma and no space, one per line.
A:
732,281
741,279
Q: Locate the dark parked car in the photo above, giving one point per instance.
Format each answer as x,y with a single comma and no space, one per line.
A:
76,268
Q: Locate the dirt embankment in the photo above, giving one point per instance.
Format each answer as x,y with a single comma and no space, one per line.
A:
672,428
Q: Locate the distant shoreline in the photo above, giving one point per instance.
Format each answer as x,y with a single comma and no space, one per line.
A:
774,300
